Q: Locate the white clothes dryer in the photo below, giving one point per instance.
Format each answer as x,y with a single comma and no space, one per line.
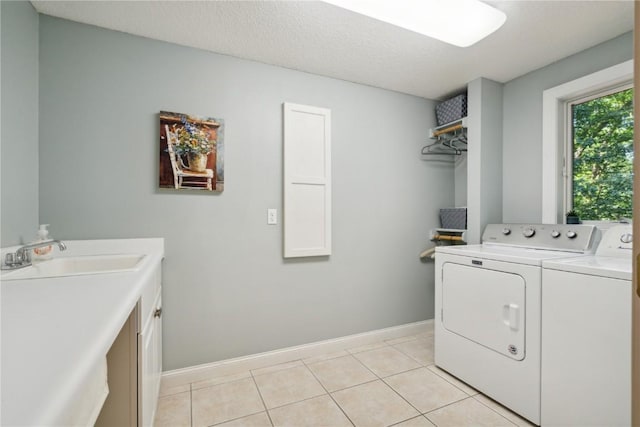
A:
488,304
586,336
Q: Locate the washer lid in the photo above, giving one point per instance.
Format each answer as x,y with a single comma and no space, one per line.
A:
613,267
503,253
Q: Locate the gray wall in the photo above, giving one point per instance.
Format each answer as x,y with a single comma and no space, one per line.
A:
522,124
19,135
484,181
227,290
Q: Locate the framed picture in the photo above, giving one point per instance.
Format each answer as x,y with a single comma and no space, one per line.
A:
191,152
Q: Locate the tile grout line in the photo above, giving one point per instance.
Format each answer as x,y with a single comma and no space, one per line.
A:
232,419
278,370
328,393
236,419
253,378
356,385
437,409
347,351
448,404
414,337
451,382
293,403
378,378
190,405
420,365
487,406
381,378
324,355
160,396
467,396
408,355
384,344
400,422
366,367
194,388
403,372
401,396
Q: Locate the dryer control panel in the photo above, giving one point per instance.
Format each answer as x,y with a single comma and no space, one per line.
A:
577,238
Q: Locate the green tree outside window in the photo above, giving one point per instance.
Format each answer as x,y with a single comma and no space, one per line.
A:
603,157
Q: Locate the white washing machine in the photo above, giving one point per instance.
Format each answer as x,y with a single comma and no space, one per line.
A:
586,336
487,301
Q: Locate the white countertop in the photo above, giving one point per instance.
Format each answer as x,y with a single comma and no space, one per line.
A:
55,331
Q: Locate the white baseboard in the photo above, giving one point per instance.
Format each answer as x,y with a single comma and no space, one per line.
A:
236,365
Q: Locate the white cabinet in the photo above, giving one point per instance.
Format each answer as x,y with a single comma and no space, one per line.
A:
307,181
150,350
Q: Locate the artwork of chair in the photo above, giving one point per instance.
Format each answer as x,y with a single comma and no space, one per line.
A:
182,175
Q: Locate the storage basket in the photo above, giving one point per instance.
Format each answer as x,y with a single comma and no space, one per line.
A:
455,218
451,110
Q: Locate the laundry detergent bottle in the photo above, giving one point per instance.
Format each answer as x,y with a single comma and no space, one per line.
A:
44,253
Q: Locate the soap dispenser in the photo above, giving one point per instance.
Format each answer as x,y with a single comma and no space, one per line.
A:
44,253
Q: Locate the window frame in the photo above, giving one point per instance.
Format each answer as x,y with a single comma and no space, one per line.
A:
567,171
553,133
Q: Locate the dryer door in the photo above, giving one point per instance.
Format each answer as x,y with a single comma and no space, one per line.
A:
485,306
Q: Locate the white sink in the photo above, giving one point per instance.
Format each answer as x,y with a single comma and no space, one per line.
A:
76,266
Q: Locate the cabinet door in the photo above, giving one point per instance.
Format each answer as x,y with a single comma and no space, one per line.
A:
307,181
157,350
150,362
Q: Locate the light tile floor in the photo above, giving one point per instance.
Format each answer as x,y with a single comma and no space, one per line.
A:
390,383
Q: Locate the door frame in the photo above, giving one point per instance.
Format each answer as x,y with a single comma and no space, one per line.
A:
635,326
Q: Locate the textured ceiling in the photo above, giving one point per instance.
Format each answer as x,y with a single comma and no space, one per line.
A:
320,38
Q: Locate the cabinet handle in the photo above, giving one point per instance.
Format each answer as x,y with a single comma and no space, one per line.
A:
158,312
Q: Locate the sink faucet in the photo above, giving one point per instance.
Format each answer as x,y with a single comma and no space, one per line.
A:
22,257
27,248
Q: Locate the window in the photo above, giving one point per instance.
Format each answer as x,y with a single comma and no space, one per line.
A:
555,171
599,155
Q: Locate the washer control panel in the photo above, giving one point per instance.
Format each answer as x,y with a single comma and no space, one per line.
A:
563,237
617,242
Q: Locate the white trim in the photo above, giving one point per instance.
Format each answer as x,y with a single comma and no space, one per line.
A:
553,113
191,374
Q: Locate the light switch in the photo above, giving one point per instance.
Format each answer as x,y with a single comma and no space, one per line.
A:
272,216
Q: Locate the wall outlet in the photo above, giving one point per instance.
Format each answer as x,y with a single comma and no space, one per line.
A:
272,216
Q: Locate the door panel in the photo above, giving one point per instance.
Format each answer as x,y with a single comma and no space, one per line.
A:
307,181
485,306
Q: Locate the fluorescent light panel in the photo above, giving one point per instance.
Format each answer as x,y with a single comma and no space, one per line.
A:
458,22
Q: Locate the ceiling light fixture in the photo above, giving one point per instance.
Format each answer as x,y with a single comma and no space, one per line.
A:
457,22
